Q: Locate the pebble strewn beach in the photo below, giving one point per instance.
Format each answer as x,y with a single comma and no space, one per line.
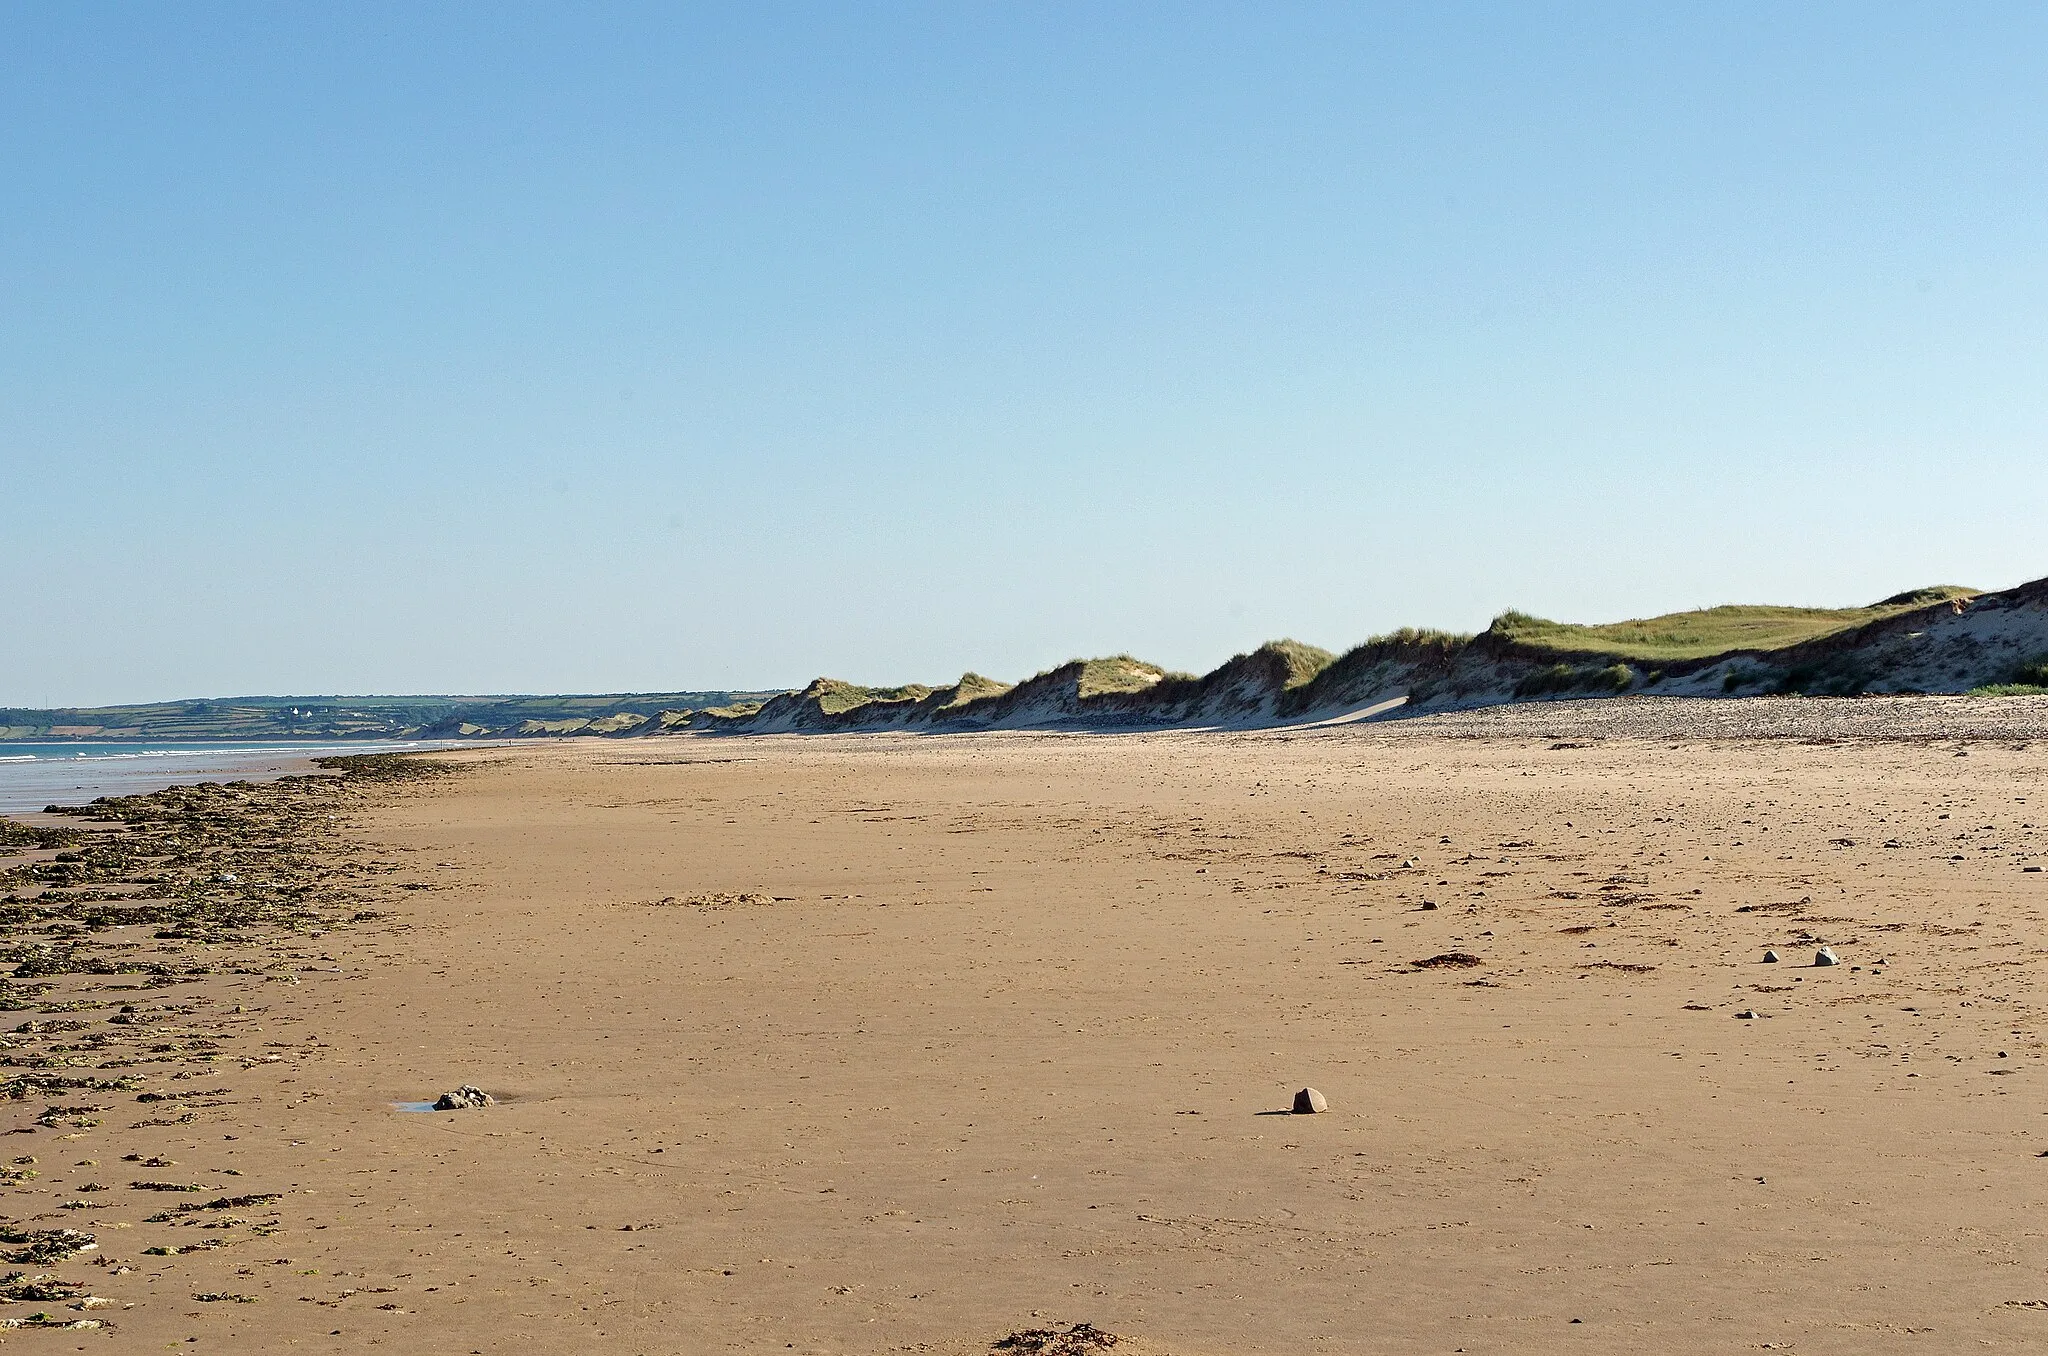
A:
1849,718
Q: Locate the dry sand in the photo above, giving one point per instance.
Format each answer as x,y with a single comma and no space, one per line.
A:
882,1044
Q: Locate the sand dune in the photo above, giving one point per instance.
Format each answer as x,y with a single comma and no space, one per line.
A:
1946,641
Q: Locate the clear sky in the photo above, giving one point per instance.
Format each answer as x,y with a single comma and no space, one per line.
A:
503,347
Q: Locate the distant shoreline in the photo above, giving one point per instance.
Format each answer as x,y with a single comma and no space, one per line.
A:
123,767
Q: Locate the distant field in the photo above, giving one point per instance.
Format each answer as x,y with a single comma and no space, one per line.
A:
341,717
1708,631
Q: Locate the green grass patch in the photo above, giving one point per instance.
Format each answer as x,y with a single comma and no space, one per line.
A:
1708,631
1117,673
845,696
2026,680
1303,662
1564,678
834,695
1419,637
973,687
1936,593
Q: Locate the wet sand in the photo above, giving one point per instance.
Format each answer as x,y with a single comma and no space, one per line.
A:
903,1044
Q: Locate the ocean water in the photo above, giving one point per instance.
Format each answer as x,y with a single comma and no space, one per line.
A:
74,771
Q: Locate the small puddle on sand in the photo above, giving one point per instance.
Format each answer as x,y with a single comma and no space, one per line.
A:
412,1106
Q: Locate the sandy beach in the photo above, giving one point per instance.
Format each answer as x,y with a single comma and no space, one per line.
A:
900,1044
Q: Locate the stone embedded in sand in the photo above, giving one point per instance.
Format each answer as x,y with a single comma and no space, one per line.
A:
463,1098
1826,956
1770,958
1747,1014
1077,1340
1308,1102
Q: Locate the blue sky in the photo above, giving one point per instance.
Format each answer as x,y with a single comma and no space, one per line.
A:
499,347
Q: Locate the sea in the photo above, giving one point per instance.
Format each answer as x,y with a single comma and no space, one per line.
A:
74,771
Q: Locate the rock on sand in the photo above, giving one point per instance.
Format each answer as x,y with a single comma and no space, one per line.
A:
463,1098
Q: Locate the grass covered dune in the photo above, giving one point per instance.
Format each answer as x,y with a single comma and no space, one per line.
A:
1710,631
1941,639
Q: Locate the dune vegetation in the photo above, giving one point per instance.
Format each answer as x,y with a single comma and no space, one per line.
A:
1706,632
2026,680
1303,662
1117,673
834,696
973,687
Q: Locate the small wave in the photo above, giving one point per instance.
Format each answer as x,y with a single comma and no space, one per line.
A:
229,753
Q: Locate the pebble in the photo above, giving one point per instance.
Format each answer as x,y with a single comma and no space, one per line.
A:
1747,1014
463,1099
1770,958
1308,1101
1826,956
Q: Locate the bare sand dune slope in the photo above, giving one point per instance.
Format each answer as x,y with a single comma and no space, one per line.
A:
888,1044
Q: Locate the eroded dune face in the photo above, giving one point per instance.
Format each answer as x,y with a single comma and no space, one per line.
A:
880,1044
